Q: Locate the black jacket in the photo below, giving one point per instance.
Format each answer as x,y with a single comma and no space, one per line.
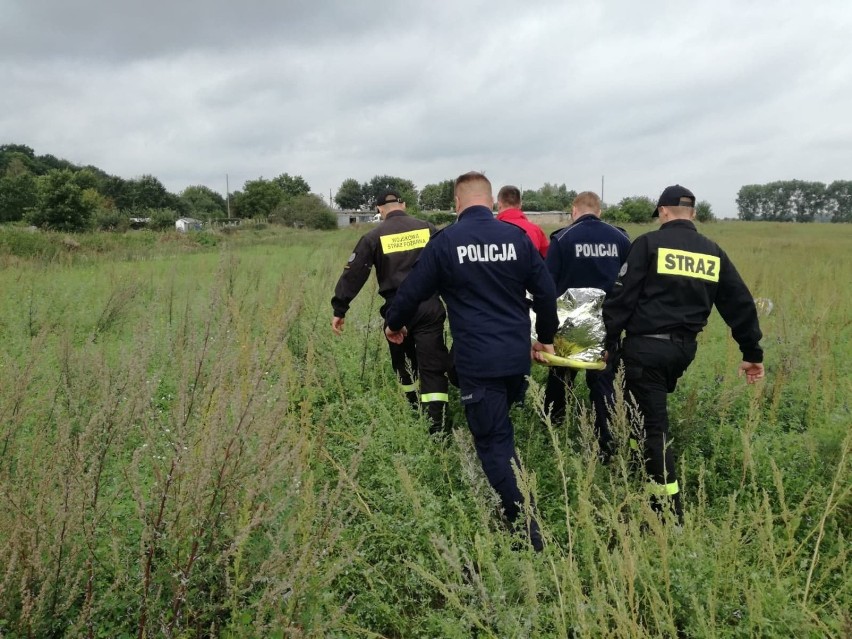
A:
392,247
669,284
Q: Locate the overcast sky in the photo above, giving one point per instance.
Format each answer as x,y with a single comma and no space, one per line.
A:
710,94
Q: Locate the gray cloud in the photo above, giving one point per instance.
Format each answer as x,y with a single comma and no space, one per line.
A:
711,94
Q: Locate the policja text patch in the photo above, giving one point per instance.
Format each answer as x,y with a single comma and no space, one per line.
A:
684,263
404,241
487,253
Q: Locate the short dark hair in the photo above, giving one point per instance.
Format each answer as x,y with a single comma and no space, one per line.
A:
510,195
469,178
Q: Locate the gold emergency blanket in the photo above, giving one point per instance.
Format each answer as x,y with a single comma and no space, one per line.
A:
581,333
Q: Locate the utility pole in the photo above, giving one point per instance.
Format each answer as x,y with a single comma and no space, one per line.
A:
602,188
228,195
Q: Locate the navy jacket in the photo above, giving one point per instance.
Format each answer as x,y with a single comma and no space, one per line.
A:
482,268
587,254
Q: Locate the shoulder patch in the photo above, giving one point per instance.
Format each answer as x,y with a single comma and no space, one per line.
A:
623,270
351,259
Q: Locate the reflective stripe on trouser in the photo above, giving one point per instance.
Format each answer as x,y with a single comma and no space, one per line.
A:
434,397
423,353
661,490
652,368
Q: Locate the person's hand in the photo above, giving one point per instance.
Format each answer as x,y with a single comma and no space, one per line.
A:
337,325
752,371
396,337
538,348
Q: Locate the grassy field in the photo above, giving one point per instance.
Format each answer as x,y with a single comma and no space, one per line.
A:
187,451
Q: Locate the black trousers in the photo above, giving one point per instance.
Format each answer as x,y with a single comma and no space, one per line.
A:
560,380
423,356
652,367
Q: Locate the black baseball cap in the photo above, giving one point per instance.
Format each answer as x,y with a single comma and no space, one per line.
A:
676,195
388,196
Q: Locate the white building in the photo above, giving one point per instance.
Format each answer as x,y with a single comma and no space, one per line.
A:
185,224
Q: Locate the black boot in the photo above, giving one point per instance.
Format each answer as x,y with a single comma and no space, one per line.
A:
438,419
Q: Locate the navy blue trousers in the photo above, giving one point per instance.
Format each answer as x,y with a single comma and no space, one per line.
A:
486,403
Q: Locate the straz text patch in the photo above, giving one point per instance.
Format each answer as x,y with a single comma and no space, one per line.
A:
698,265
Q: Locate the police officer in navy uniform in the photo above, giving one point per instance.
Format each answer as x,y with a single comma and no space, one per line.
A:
483,268
393,248
662,298
587,254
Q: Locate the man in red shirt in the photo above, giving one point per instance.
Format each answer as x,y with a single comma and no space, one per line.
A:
509,210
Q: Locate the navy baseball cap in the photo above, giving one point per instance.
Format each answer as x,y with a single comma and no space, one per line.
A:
388,196
676,195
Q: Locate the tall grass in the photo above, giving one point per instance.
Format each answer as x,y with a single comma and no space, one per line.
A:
187,451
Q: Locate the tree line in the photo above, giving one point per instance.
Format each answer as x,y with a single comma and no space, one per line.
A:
796,201
354,195
52,193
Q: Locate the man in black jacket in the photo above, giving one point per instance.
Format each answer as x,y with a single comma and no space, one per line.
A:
393,247
662,298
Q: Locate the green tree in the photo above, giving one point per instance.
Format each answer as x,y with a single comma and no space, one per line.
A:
839,196
613,214
60,204
203,202
258,198
305,211
110,220
438,197
704,212
549,197
808,200
750,202
161,219
19,153
531,200
146,192
349,196
292,186
406,189
17,196
637,209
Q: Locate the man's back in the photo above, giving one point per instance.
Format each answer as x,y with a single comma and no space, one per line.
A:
536,235
588,253
393,247
685,275
484,268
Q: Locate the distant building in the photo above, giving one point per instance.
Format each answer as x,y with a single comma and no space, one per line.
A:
347,218
186,224
549,218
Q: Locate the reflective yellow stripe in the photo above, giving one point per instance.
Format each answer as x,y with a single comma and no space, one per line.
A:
404,241
663,489
434,397
697,265
409,388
